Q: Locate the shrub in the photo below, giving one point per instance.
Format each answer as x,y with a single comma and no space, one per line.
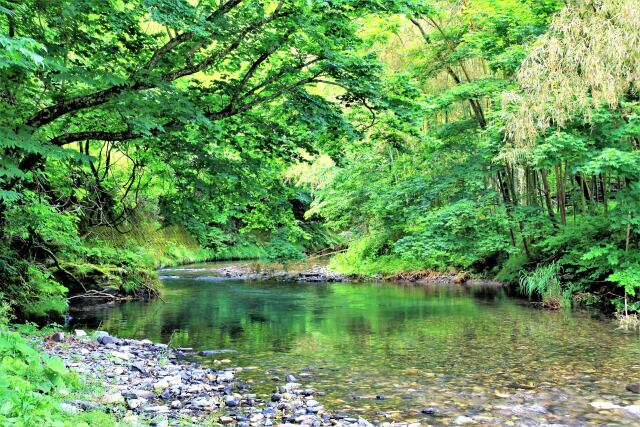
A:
543,283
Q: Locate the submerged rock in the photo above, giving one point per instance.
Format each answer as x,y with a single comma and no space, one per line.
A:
604,404
214,352
634,388
461,420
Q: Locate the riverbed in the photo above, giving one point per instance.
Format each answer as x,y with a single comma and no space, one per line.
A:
397,352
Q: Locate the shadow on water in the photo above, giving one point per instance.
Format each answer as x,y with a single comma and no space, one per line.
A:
461,350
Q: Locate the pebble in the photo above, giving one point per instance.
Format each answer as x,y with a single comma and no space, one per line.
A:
461,420
106,339
120,355
157,408
604,404
231,401
633,410
69,408
112,398
634,388
135,403
146,380
161,385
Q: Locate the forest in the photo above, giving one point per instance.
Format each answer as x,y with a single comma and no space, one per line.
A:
485,139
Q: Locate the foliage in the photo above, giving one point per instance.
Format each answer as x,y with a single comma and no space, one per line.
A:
33,384
452,184
543,283
283,247
588,58
179,114
416,133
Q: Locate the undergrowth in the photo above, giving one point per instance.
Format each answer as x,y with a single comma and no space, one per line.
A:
33,385
543,283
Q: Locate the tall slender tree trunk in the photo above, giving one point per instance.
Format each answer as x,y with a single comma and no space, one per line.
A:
560,194
547,196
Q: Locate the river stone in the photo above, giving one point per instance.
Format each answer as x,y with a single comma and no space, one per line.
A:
633,410
106,339
634,388
463,420
68,408
226,420
231,401
80,333
256,417
135,403
160,385
144,394
364,423
604,404
137,366
176,404
112,398
290,379
120,355
225,377
174,380
85,405
214,352
276,397
157,408
58,337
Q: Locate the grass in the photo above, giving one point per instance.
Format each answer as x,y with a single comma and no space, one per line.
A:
171,246
386,265
543,283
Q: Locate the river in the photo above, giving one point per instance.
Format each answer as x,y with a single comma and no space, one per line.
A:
389,352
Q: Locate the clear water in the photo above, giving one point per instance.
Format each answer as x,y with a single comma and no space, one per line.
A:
388,351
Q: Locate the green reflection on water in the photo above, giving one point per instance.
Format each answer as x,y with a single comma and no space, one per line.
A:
469,351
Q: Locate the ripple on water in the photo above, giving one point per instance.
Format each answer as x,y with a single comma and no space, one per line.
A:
434,353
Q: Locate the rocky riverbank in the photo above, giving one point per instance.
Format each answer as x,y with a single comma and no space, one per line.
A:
251,272
319,274
146,383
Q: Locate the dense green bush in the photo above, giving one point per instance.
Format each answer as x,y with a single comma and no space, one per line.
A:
283,246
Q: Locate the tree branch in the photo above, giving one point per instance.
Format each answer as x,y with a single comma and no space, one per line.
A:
51,113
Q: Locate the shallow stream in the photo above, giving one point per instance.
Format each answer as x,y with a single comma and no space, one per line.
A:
390,352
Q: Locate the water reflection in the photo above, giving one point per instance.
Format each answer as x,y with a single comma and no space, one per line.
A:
461,350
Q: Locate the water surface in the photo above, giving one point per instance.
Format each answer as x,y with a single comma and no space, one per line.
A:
388,351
